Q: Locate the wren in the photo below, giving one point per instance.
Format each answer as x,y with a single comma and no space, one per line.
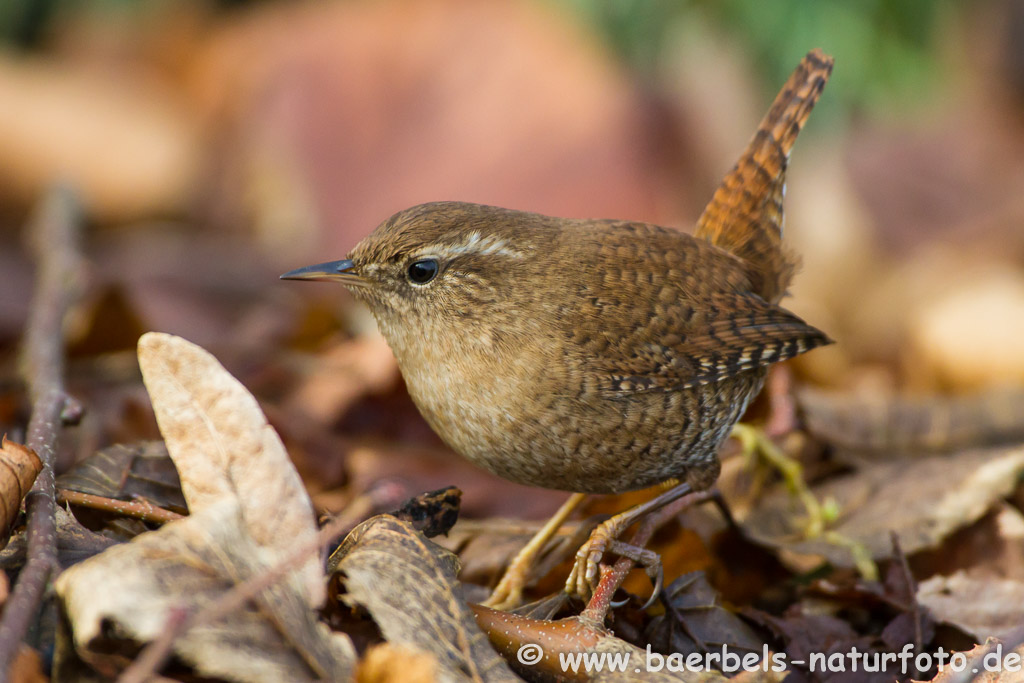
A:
594,356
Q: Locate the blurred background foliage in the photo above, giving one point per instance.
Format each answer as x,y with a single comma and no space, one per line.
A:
217,142
890,46
888,50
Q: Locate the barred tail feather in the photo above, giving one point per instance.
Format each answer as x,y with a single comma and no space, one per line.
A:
745,214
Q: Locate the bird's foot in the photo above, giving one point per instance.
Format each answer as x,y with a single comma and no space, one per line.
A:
585,574
649,560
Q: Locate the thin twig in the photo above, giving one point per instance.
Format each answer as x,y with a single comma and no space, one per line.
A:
140,509
911,584
53,237
155,654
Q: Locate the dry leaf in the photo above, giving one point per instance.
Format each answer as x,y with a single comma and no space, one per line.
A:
142,469
74,544
992,546
232,467
222,447
408,585
19,466
983,664
694,611
923,501
388,663
345,373
881,422
129,593
803,633
983,607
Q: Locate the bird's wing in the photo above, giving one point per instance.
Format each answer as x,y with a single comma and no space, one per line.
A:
735,333
667,311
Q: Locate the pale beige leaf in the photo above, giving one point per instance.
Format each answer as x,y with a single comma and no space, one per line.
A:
129,592
223,447
408,585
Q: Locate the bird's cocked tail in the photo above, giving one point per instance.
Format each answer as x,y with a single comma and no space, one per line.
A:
744,216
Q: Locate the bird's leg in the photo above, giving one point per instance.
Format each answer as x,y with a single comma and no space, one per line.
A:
508,593
754,441
583,578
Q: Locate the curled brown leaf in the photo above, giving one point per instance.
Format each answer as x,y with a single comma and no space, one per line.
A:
407,583
19,466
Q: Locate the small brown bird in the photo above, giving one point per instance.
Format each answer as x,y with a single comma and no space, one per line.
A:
593,356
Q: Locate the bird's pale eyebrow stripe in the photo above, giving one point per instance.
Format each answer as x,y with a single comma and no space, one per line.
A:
475,244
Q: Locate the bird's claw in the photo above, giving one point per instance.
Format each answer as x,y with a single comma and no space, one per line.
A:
583,578
649,560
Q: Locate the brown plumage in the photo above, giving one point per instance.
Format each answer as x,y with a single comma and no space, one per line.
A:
590,355
745,214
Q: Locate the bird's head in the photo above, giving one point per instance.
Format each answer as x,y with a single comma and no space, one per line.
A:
432,264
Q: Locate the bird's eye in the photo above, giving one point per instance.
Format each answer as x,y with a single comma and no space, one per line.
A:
422,272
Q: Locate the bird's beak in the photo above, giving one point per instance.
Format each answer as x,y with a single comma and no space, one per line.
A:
333,271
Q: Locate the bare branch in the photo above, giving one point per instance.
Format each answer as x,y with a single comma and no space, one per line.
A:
53,237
